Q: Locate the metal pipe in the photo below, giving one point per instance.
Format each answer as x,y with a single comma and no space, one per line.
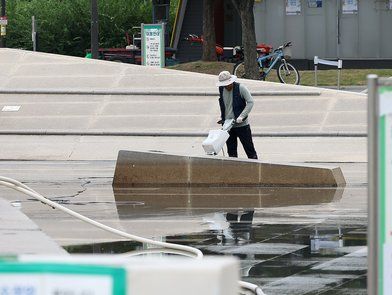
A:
94,30
338,6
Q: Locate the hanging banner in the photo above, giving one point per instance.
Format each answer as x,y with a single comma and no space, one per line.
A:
153,45
350,6
385,189
293,7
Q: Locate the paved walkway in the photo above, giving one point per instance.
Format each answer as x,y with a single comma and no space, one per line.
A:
279,109
158,113
76,114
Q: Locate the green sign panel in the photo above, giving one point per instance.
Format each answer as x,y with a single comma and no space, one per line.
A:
19,278
153,45
385,191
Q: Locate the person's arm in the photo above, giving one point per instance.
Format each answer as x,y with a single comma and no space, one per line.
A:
249,101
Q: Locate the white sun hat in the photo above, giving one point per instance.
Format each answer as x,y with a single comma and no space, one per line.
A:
225,78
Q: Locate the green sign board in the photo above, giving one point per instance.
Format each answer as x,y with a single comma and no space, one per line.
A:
153,45
28,278
385,190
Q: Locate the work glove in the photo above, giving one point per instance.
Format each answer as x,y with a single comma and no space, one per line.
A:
239,120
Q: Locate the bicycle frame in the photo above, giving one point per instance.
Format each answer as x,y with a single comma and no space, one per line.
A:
275,56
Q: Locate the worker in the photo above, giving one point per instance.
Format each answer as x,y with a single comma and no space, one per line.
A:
236,102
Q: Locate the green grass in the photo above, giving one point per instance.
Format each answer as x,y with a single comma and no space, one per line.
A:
348,77
351,77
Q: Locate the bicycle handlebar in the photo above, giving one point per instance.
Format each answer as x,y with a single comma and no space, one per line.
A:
281,47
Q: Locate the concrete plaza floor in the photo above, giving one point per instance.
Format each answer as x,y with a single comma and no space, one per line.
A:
74,115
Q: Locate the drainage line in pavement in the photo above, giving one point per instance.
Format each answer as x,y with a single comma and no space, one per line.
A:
173,134
149,93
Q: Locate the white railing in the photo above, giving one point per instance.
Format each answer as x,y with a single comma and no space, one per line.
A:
338,64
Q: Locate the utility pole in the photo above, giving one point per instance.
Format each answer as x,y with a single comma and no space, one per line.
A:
2,38
94,30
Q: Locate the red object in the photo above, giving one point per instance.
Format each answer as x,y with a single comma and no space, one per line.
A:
124,55
219,50
264,48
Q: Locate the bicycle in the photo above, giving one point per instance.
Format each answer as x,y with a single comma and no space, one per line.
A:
287,73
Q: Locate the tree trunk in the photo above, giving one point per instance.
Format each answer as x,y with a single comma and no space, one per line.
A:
245,10
209,53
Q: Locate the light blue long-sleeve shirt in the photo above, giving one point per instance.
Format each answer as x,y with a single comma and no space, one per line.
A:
228,101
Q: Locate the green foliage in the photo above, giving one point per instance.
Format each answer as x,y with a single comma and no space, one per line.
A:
119,16
64,25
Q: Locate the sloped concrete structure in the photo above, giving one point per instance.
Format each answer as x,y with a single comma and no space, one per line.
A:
135,169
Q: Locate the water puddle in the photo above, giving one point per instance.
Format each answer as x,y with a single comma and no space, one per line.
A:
157,200
302,258
283,259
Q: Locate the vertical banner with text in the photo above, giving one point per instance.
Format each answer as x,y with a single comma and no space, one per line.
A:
385,190
153,45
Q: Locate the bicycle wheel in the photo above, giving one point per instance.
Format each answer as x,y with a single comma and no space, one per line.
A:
239,69
289,75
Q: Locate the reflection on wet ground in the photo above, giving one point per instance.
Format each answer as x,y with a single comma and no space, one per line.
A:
149,200
284,258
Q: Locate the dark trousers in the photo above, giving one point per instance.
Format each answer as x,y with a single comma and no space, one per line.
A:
245,135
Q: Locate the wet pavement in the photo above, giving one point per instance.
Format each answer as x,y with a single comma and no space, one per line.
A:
76,114
289,240
300,259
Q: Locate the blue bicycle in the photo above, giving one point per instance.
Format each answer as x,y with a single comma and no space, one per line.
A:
287,73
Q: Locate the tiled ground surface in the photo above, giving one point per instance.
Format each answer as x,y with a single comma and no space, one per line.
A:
283,259
295,244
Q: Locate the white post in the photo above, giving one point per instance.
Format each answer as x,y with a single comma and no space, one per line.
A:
340,65
315,70
34,33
